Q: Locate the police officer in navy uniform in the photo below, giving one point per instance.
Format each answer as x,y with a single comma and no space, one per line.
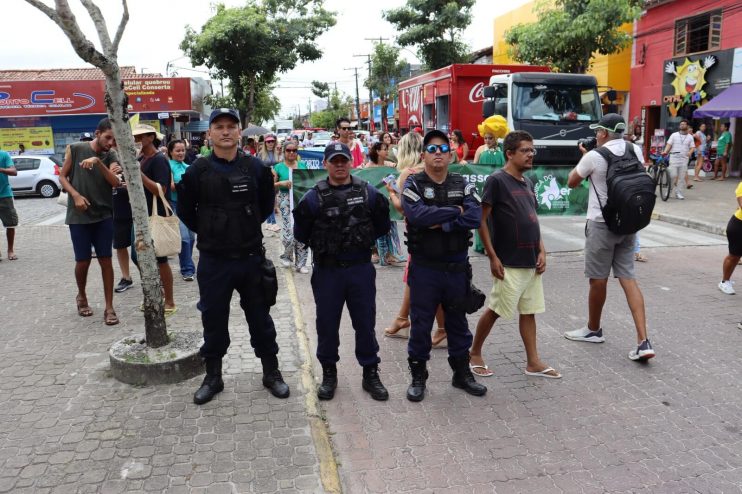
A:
441,210
340,218
224,198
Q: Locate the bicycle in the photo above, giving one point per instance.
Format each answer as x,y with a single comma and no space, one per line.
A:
660,174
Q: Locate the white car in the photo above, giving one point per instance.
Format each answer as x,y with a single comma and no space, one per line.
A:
321,138
36,175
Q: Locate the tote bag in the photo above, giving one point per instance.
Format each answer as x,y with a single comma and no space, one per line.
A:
165,230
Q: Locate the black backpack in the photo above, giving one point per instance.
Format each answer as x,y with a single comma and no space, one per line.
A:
631,195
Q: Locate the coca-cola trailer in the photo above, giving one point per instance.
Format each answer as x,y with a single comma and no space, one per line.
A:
451,98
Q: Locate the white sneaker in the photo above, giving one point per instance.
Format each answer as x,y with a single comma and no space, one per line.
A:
302,270
285,263
726,287
678,195
584,334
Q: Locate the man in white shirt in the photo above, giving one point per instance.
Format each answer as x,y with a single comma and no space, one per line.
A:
605,250
679,146
308,142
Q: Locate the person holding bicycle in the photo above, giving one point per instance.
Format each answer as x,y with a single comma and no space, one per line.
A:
679,147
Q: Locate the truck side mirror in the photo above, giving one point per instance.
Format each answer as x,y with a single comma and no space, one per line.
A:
488,91
488,108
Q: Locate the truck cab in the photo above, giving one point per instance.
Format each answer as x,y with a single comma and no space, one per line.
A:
556,109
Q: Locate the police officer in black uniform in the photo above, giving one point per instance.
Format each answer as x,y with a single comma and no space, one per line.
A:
340,218
441,210
224,198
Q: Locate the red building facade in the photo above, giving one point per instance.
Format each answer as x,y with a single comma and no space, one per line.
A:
684,54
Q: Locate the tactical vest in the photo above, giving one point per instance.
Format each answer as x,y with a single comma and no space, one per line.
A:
434,243
228,209
344,223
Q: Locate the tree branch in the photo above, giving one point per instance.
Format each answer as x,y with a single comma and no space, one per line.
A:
100,25
65,19
120,30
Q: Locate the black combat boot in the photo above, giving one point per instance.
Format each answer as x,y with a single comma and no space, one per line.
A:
272,378
372,383
326,390
416,391
212,384
463,377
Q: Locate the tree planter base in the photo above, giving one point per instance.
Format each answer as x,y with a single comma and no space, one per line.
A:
133,362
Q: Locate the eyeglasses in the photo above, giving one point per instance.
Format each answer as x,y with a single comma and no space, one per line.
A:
432,148
528,151
344,128
289,150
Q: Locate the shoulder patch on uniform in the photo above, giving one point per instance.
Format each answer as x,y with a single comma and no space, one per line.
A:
410,194
470,189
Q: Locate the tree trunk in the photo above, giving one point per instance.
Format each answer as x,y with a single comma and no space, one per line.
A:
384,109
250,100
154,317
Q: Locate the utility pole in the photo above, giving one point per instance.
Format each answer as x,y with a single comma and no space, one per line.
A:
358,100
370,94
371,107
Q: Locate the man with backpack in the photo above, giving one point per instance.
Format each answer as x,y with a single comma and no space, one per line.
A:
620,203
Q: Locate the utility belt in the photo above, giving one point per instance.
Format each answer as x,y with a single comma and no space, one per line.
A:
450,267
332,262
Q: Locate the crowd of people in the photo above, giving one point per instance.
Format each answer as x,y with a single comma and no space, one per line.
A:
224,195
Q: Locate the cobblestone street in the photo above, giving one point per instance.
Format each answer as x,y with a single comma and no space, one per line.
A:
610,425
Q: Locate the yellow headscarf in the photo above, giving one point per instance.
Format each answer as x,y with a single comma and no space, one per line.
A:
495,125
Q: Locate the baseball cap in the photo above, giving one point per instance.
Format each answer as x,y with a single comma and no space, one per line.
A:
435,133
269,137
141,129
337,149
86,136
224,111
612,122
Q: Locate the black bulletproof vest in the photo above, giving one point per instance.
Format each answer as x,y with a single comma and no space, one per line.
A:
344,223
435,243
228,209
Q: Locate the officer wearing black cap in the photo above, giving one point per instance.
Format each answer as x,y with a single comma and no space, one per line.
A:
441,210
340,218
224,199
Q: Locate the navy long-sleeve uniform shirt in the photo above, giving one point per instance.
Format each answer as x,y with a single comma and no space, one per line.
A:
188,188
307,212
450,218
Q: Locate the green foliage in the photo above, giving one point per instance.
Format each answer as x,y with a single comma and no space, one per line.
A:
435,27
251,45
569,32
321,90
386,73
266,105
338,107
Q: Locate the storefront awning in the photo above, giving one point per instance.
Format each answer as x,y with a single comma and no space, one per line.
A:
727,103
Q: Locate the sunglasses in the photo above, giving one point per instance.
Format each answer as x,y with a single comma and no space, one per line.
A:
344,128
432,148
289,150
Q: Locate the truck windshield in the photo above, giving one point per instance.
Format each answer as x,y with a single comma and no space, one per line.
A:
556,103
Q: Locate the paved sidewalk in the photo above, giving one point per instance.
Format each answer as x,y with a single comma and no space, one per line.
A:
610,425
707,206
67,426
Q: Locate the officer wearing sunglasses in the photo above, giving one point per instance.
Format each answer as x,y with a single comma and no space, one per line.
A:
441,210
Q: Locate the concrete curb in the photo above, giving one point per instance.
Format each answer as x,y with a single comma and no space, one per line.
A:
691,223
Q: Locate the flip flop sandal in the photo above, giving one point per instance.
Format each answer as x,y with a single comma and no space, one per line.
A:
13,258
110,318
487,372
640,258
442,343
171,311
83,310
401,332
545,373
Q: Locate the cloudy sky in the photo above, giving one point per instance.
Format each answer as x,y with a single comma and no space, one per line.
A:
156,28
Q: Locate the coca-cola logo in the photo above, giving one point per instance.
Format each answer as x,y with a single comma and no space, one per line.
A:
476,94
411,98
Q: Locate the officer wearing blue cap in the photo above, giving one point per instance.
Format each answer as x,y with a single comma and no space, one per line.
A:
441,210
340,218
224,198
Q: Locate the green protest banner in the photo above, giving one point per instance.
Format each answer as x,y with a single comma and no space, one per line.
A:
550,185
